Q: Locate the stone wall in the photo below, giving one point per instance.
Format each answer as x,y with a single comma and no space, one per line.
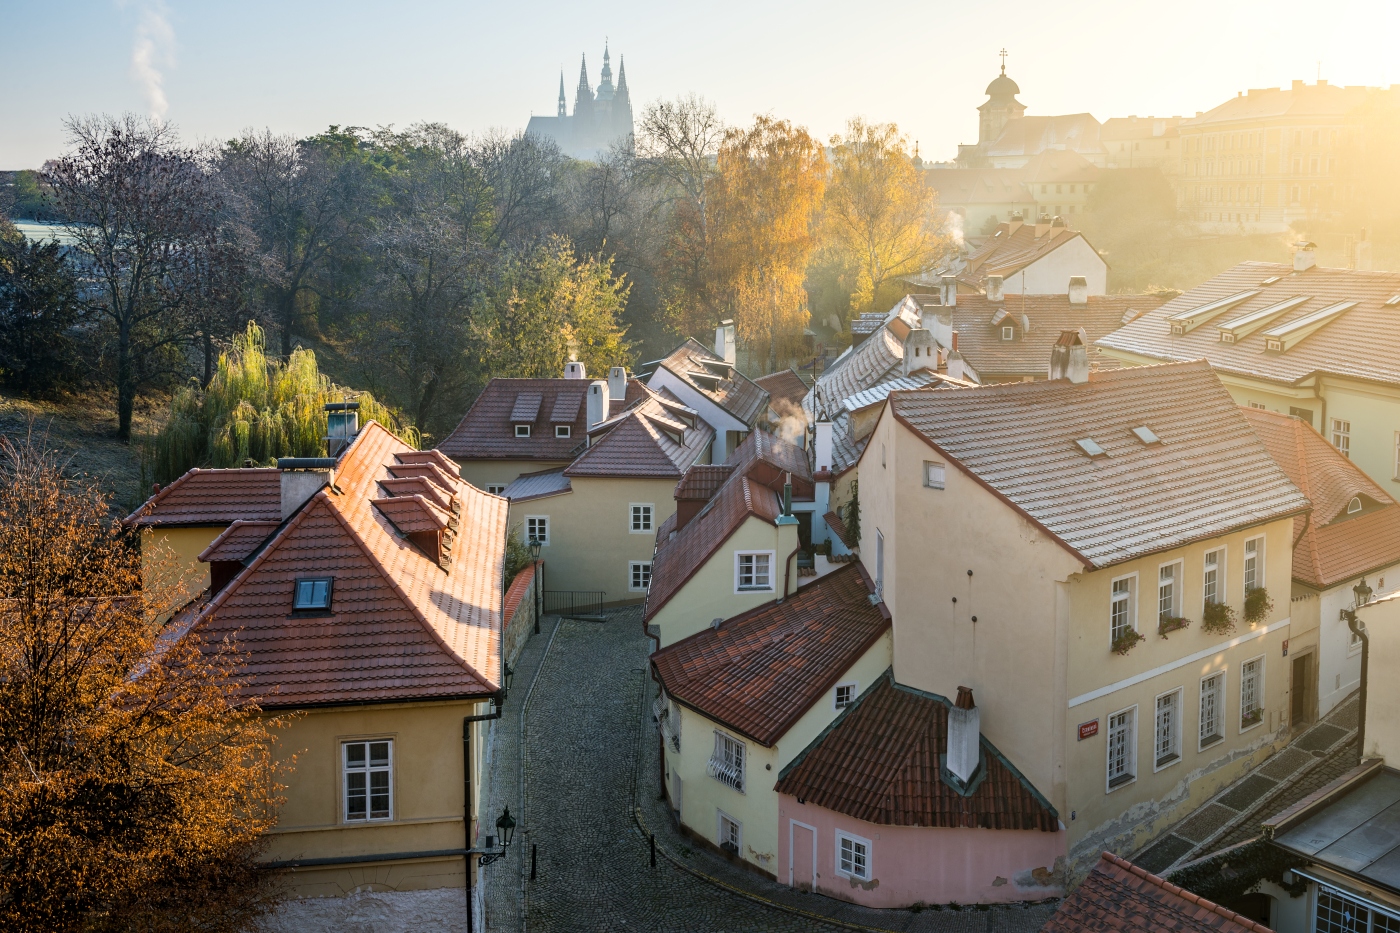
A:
521,599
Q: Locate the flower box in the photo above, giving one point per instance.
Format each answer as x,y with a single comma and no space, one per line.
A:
1168,624
1257,605
1217,619
1126,642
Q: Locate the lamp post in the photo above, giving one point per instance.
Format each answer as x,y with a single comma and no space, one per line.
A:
1362,593
505,829
535,559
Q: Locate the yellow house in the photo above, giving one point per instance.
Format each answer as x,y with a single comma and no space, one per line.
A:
372,618
596,519
1057,547
1303,340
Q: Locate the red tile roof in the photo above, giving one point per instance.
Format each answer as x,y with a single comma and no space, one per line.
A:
880,762
656,437
757,673
737,394
1119,897
1014,246
702,481
238,541
487,431
1332,547
401,627
214,497
785,390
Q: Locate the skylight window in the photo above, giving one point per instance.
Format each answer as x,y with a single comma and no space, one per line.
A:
311,594
1147,435
1392,301
1091,447
1270,280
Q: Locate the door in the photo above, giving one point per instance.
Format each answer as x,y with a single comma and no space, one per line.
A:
1300,690
802,855
677,786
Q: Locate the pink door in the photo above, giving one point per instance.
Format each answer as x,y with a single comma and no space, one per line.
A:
802,853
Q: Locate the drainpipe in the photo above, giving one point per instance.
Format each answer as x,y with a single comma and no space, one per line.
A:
496,701
1358,628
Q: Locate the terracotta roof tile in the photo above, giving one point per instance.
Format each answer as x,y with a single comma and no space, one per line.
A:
702,481
1208,474
880,762
655,437
1119,897
214,497
784,388
400,626
757,673
238,540
487,431
413,514
419,486
737,394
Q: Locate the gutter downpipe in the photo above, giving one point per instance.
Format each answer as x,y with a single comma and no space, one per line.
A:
1358,628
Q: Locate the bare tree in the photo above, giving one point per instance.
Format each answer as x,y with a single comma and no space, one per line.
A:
526,176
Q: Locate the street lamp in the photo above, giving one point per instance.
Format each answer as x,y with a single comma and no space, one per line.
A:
1362,592
535,549
505,827
510,676
535,544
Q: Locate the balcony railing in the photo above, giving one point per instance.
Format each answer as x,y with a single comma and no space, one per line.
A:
670,730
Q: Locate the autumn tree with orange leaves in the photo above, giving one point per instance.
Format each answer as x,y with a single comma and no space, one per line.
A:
135,784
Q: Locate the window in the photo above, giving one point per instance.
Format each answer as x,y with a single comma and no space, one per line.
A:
852,856
753,570
845,695
1212,702
1258,406
1341,436
731,833
641,517
522,430
563,430
934,474
1168,592
727,762
1123,609
1008,333
496,489
1121,752
1167,747
1251,693
1340,913
639,575
312,594
1253,564
368,769
1213,580
1354,505
537,529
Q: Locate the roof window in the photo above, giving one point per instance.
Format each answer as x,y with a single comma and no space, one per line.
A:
1091,447
522,430
1238,328
1285,337
1270,280
312,594
563,430
1146,435
1392,301
1183,322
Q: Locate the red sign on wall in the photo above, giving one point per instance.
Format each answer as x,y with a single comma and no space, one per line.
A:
1088,729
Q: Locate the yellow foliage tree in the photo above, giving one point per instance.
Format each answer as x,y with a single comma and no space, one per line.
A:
878,209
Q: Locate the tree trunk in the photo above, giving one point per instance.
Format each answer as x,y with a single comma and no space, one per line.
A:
288,315
208,357
126,383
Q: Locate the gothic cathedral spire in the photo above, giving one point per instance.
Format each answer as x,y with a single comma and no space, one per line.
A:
583,96
563,105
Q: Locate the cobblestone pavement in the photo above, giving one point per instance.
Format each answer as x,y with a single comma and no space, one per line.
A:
588,761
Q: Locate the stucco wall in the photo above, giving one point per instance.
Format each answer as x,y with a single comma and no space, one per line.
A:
725,424
911,864
1050,275
172,554
591,543
1382,620
482,473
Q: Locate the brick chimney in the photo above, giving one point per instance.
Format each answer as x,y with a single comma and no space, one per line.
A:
964,736
302,478
920,351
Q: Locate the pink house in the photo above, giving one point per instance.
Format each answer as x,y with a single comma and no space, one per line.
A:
902,801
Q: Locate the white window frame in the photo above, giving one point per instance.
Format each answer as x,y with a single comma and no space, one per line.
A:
1355,903
563,430
496,489
1201,743
633,567
1131,603
645,509
1178,571
301,583
535,519
1259,580
1157,760
836,703
935,475
522,430
1008,332
1258,693
733,754
842,835
720,819
1130,773
738,563
1220,589
1341,436
368,771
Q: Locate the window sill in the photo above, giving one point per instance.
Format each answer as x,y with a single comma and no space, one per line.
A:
852,875
754,589
1211,740
1247,726
1123,780
1166,762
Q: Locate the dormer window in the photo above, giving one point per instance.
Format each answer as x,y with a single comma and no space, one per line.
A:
1091,447
1008,333
522,430
561,430
312,595
1354,505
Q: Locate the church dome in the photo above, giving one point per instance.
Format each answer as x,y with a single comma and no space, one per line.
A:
1002,86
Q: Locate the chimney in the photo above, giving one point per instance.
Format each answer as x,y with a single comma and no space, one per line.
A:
598,402
574,370
1299,85
821,445
302,478
724,342
955,361
1304,256
949,290
964,736
994,289
920,352
342,424
1069,357
1078,290
617,382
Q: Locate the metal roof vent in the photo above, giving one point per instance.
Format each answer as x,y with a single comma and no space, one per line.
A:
716,621
1091,447
1146,435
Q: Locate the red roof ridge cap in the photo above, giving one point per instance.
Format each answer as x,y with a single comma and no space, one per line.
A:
1181,892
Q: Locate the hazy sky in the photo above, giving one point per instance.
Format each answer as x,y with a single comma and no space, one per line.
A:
215,67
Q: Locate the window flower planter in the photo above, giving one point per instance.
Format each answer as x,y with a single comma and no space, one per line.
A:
1126,642
1257,605
1217,619
1252,718
1168,624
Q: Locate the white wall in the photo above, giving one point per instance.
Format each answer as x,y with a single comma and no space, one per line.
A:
719,419
1050,274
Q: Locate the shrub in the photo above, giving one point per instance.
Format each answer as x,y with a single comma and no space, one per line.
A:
1257,605
1217,619
1127,641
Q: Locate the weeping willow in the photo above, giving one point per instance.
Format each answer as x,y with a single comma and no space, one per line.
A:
255,410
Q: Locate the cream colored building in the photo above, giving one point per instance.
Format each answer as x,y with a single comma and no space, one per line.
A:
1021,533
1143,142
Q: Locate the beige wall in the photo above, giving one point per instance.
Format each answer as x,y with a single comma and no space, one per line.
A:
483,473
591,544
1382,620
427,792
175,550
710,594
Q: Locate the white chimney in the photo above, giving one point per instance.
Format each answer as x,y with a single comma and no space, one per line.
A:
1069,357
955,361
1304,256
949,290
964,736
574,370
302,478
821,445
1078,290
598,402
994,289
920,351
617,382
724,342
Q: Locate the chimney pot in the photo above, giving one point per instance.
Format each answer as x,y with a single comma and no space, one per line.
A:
949,290
995,286
1304,256
956,369
617,382
724,342
1078,290
574,370
1069,357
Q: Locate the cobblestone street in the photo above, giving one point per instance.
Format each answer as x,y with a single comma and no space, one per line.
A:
580,689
